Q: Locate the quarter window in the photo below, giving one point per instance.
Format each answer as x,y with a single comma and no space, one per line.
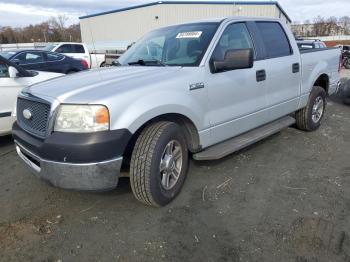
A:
275,39
236,36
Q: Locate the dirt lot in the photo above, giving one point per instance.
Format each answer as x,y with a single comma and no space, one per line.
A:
284,199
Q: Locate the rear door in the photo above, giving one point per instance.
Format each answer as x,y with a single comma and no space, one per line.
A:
55,62
236,98
282,65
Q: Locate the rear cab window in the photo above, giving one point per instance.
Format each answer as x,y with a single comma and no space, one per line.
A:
71,49
274,39
79,49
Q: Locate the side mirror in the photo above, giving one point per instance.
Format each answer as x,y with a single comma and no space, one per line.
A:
13,72
234,59
15,61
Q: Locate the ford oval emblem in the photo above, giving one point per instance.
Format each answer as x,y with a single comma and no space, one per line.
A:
27,114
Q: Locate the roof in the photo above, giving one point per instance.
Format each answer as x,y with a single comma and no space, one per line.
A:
193,2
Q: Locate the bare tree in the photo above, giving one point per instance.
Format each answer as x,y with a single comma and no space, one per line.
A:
54,30
344,22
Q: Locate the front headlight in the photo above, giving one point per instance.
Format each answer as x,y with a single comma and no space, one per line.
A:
82,118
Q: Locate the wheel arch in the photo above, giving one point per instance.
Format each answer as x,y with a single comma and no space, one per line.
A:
187,125
323,81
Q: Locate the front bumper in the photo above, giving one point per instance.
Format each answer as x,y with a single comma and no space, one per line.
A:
101,176
87,162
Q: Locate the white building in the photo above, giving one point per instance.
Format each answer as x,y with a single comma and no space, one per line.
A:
117,28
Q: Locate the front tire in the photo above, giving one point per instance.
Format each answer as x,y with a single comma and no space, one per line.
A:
159,164
310,117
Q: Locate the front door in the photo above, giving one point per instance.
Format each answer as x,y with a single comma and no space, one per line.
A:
236,98
30,60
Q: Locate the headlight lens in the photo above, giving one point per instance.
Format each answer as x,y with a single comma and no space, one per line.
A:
82,118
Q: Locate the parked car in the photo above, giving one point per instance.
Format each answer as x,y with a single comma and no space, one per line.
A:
205,91
345,55
307,44
45,61
78,51
12,79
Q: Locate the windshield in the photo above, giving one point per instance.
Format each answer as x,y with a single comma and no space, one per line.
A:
50,47
7,54
183,45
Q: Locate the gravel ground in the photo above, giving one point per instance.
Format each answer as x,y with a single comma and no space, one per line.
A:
286,198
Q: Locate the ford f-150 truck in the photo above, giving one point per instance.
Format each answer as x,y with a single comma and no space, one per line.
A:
203,89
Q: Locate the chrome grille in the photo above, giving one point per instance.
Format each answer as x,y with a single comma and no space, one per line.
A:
37,124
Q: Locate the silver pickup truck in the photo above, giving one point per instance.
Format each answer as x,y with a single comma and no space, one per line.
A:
204,89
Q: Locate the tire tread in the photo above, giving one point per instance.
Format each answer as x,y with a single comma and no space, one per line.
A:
141,161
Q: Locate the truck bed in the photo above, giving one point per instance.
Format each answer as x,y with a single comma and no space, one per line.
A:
313,62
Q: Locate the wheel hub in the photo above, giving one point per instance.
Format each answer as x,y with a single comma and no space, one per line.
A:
171,164
317,109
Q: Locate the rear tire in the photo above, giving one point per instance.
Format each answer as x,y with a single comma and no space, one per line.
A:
159,164
310,117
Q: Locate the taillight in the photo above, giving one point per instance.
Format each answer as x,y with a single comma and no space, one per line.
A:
85,64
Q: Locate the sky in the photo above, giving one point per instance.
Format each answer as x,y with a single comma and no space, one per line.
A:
19,13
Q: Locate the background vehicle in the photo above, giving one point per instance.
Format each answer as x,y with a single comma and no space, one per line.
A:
78,51
206,88
307,44
12,79
45,61
346,56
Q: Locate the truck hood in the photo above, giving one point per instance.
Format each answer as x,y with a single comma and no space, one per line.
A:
88,86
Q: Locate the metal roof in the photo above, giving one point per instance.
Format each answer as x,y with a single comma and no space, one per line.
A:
192,2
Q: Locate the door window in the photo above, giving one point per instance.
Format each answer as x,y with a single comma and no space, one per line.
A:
275,39
65,49
52,57
71,49
79,49
29,58
236,36
4,70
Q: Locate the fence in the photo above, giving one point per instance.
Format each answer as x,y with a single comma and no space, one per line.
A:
4,47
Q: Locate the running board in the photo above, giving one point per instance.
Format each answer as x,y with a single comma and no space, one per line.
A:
235,144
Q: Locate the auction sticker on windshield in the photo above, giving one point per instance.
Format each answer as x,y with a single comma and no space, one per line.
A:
194,34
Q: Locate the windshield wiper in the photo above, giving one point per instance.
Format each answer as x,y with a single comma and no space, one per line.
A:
147,62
